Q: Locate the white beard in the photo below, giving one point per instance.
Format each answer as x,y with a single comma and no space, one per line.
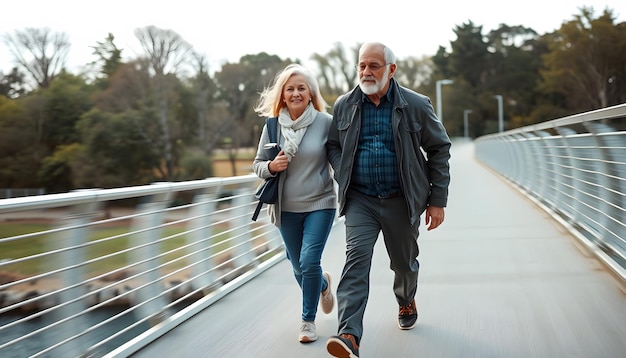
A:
370,89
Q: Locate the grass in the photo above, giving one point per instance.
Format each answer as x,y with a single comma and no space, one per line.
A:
30,246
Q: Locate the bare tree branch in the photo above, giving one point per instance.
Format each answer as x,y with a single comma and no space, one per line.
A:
41,53
165,48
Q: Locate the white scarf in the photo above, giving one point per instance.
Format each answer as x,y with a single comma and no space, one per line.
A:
293,130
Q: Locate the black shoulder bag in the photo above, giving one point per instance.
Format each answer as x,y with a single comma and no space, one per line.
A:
267,192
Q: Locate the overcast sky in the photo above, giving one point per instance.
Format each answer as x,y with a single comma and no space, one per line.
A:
225,30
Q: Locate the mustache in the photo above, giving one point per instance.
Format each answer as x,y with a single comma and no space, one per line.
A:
368,78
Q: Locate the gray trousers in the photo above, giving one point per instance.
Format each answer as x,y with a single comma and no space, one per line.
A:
366,217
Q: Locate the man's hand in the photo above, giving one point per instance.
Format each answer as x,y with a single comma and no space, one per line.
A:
434,217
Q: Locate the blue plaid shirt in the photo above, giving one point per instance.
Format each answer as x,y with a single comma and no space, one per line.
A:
375,170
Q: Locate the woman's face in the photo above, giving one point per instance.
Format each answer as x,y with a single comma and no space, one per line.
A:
297,95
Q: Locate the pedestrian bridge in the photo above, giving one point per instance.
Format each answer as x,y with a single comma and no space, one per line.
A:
528,263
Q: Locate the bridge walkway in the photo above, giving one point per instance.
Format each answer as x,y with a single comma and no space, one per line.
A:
500,278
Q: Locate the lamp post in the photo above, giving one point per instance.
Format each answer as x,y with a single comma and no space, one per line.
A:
465,122
439,103
500,114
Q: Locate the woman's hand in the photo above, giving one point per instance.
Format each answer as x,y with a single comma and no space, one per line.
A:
280,163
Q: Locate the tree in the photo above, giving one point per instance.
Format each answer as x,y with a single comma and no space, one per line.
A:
239,85
205,91
67,98
113,153
166,52
586,62
469,59
39,52
13,84
109,57
19,161
514,73
505,62
337,70
413,72
62,105
467,64
441,62
55,172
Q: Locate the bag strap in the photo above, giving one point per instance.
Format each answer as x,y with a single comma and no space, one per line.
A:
257,210
272,129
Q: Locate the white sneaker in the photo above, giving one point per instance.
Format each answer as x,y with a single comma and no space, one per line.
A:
327,300
307,332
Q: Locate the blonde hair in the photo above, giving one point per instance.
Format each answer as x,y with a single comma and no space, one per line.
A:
271,101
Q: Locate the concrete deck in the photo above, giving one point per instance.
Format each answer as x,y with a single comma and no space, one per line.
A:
499,279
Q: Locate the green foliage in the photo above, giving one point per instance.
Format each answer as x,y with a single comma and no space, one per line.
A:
585,63
469,60
195,164
66,99
114,153
109,54
239,86
577,68
55,172
19,159
12,85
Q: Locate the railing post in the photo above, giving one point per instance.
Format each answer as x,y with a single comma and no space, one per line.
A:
608,207
508,162
516,145
199,241
545,166
73,254
564,200
577,199
528,160
241,223
146,248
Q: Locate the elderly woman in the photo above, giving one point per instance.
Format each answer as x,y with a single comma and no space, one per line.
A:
305,209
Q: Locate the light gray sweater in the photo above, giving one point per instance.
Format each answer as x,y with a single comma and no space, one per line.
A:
307,183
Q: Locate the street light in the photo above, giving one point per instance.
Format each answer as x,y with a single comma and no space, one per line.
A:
465,122
500,114
439,103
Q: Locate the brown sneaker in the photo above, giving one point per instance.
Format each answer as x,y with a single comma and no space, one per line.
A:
407,316
327,300
343,346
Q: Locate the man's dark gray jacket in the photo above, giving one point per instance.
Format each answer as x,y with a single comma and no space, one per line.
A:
421,142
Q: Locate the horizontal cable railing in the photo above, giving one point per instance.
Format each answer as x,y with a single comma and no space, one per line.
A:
98,273
575,169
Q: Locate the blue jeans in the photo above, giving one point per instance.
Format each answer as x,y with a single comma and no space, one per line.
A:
305,236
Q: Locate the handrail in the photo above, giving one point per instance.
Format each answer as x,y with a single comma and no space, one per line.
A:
575,169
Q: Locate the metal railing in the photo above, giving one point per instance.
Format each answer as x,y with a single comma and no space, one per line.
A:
575,169
105,272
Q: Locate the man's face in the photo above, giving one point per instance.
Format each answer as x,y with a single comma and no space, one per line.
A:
373,82
374,73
